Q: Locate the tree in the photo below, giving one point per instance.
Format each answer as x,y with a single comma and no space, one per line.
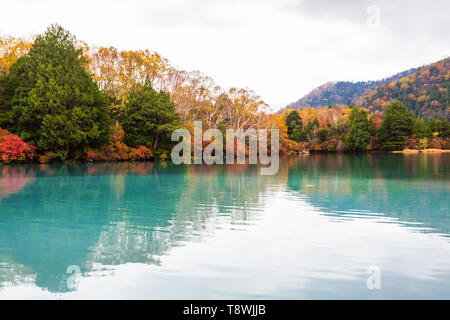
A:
299,136
7,87
359,130
421,129
56,105
12,148
10,50
423,143
293,124
396,126
117,72
150,118
441,127
322,135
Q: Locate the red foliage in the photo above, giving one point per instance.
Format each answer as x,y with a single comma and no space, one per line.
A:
440,143
117,150
12,148
91,156
377,122
412,143
141,153
12,180
304,146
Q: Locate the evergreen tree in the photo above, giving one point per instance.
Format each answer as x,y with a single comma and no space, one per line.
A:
56,105
7,87
396,126
294,125
150,118
421,129
299,135
322,135
359,130
441,127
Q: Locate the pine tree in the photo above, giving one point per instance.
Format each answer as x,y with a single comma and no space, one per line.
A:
294,125
359,130
396,126
56,105
421,129
150,118
7,87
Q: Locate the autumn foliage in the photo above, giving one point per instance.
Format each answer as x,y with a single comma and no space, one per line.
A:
12,148
425,92
342,128
113,122
117,150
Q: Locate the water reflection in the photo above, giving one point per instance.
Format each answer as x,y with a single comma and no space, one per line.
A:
411,188
220,231
13,179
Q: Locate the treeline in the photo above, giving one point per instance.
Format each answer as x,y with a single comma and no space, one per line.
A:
67,101
341,128
63,101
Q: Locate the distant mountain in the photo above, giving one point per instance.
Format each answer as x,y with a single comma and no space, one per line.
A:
342,92
425,92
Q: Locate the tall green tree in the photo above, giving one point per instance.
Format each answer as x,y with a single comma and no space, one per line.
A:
359,130
442,128
7,87
56,105
421,129
322,135
397,124
294,125
150,118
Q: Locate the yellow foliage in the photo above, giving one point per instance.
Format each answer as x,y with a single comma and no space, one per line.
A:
423,98
10,50
392,84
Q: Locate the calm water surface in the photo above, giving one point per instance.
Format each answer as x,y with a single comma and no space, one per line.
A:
157,231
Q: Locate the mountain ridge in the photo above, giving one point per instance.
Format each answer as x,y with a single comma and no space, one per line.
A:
426,92
342,92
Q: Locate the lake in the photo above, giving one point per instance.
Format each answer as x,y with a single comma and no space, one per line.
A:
326,227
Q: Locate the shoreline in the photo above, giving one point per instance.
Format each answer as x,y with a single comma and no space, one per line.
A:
300,155
414,151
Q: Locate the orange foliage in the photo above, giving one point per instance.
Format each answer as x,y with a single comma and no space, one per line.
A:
10,50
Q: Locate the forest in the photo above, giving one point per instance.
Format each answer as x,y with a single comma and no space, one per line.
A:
425,92
62,101
341,92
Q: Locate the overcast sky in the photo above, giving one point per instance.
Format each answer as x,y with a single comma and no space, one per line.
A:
281,49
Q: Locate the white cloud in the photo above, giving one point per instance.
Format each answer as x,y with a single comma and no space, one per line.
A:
280,49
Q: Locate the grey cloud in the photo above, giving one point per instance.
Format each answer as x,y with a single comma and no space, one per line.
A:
176,13
421,20
408,19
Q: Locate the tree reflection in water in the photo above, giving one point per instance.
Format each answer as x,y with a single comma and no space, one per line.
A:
110,214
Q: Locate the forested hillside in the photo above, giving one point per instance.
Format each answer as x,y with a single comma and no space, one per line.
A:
425,93
341,92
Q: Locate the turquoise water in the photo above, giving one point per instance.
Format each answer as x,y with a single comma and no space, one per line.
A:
157,231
